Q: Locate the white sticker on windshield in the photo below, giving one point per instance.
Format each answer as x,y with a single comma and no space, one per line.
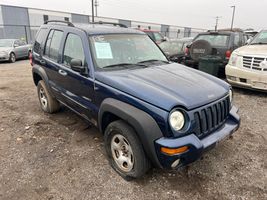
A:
103,50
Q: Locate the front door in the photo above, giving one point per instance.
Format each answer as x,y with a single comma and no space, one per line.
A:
78,88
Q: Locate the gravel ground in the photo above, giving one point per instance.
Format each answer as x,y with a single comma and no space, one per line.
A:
60,156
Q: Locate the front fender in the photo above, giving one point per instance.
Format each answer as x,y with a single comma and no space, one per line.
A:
145,126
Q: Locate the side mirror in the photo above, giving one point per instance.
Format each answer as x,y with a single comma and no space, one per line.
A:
15,45
248,41
77,66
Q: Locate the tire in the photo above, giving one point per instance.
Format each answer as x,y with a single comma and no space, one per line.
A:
12,58
135,164
47,102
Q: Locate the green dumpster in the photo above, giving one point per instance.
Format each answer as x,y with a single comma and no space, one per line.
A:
210,64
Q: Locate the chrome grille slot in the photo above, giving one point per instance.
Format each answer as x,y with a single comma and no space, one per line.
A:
254,63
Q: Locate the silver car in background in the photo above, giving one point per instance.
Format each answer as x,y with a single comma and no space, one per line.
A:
12,49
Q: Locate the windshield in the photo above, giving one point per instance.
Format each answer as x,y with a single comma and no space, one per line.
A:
215,40
6,43
260,38
172,47
115,49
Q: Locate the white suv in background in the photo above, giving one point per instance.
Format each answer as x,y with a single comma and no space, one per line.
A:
247,66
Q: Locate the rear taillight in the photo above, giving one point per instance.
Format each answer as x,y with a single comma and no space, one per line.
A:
228,54
186,51
30,57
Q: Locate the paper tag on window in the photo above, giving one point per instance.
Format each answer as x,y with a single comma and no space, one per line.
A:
103,50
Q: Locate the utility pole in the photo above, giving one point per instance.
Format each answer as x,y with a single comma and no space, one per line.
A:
217,21
93,17
96,5
233,16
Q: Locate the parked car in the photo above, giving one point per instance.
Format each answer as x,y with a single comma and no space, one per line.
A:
154,35
150,111
220,43
175,49
247,66
12,49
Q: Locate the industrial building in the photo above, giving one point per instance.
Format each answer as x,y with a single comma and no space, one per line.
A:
26,21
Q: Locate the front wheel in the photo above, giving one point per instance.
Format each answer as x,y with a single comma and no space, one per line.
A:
12,57
125,151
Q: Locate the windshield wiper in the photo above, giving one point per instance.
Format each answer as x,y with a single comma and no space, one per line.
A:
125,65
154,60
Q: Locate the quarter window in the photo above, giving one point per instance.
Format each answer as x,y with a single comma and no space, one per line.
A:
40,38
53,44
73,49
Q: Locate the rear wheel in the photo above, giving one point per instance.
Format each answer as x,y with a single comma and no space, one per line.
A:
47,102
12,57
125,151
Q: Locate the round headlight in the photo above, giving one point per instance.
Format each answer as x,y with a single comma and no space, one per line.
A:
230,95
177,120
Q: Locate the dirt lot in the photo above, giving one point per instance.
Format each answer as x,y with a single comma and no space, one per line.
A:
60,157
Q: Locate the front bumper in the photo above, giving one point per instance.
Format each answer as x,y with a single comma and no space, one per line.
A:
246,78
196,146
4,57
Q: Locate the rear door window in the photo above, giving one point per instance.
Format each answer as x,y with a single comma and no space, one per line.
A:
73,49
53,44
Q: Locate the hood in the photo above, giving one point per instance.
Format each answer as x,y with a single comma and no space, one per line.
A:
167,86
5,49
256,49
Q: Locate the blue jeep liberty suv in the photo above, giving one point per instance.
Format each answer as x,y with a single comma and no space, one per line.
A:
151,112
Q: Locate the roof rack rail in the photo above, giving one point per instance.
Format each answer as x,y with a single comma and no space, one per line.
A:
59,21
111,23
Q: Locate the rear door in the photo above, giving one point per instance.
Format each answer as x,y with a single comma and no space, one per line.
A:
50,60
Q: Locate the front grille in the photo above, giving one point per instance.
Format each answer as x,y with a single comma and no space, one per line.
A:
254,63
211,117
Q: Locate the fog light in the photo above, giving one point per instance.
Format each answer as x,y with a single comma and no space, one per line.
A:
174,151
175,163
232,78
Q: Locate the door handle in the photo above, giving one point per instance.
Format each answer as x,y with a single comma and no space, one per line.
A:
62,72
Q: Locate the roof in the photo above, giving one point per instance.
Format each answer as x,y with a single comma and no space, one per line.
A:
94,29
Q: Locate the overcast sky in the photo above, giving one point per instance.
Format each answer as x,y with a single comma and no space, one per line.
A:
191,13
